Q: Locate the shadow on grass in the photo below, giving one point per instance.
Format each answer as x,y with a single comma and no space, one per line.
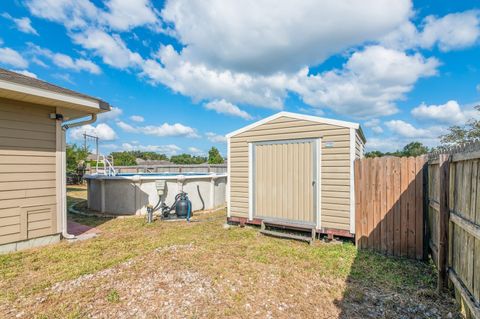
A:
76,196
391,287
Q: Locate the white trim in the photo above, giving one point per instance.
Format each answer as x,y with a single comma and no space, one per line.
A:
229,164
250,181
296,116
352,186
59,175
319,181
25,89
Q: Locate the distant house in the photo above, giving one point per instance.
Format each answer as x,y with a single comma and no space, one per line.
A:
34,118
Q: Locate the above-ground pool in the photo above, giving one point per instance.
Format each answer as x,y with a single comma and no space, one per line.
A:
129,194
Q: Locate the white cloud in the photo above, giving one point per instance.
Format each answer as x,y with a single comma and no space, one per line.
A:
406,129
163,130
125,15
195,151
262,53
71,13
66,62
25,72
451,32
203,83
166,129
215,138
224,107
78,14
137,118
113,114
127,127
265,37
368,84
450,113
103,131
23,24
170,149
110,48
63,61
64,77
13,58
478,87
374,125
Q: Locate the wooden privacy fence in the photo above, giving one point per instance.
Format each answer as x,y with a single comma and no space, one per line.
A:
389,205
454,222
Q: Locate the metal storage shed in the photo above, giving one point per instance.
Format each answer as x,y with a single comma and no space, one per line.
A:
294,169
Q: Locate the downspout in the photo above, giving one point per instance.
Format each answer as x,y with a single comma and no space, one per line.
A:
65,127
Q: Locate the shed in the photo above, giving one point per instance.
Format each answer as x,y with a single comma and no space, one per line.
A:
34,117
295,169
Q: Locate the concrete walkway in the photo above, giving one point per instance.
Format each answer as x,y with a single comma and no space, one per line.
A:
82,231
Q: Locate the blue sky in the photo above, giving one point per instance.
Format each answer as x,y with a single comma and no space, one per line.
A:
183,73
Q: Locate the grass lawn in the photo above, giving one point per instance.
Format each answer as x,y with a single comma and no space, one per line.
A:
203,269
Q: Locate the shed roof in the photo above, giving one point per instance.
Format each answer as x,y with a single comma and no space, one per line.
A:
7,76
298,116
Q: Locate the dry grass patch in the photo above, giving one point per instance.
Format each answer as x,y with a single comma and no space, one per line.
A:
204,270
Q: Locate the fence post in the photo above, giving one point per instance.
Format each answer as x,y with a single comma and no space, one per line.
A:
443,220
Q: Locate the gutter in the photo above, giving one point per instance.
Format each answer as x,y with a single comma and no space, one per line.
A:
65,127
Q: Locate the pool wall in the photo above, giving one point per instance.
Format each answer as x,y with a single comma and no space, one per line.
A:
130,195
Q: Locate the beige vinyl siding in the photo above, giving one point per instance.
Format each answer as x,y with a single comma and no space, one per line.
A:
27,171
359,146
335,165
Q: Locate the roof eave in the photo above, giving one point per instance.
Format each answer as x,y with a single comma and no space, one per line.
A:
296,116
52,98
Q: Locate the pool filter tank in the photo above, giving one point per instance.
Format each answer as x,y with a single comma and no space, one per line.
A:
182,208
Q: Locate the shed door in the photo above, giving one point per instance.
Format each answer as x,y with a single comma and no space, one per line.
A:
284,185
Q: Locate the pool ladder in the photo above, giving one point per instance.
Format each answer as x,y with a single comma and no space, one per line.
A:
108,169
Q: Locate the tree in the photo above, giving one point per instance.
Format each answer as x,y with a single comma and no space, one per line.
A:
214,156
411,149
75,155
187,159
374,154
124,158
414,149
459,134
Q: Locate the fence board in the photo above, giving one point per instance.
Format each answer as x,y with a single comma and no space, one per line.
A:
462,233
390,218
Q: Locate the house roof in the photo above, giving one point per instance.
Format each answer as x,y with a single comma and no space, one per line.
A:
311,118
7,76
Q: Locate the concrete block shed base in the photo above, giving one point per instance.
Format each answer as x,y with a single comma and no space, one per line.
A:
322,231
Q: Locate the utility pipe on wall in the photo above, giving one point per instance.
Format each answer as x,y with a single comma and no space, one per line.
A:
65,127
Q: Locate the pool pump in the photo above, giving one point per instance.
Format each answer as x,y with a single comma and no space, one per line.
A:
181,208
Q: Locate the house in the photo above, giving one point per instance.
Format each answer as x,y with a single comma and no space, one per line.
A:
34,118
294,169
